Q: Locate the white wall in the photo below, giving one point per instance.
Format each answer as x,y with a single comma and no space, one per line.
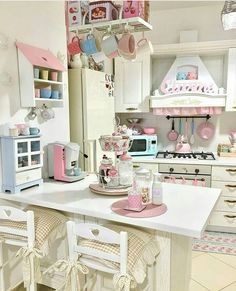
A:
166,27
206,19
41,24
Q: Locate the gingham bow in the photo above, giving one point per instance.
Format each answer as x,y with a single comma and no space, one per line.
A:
72,268
123,282
31,264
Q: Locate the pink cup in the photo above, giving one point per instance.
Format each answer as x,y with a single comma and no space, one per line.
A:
135,201
37,93
126,44
53,76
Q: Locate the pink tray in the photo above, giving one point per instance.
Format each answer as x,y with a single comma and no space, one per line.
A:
150,211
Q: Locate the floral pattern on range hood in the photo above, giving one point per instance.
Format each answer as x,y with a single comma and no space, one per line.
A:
188,88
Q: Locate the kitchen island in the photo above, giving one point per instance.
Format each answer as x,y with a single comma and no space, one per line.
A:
188,211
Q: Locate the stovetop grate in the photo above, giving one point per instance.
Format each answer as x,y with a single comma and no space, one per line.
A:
191,155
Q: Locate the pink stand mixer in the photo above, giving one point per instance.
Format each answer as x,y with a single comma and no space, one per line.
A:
63,162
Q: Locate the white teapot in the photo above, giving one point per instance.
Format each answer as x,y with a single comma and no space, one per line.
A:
76,61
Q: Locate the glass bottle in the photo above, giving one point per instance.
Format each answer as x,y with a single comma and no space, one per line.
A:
125,168
142,183
157,196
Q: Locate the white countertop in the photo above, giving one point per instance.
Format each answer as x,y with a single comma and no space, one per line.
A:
219,161
189,207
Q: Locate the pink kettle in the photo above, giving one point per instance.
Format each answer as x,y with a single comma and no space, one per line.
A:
183,147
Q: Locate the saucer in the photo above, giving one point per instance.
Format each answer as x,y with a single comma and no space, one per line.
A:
135,209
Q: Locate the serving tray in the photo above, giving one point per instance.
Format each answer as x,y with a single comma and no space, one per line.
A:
96,188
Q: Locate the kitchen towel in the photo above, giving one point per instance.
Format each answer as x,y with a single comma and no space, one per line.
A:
216,242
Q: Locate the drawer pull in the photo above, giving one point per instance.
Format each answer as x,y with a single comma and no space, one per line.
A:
229,216
231,170
136,166
131,108
230,201
230,186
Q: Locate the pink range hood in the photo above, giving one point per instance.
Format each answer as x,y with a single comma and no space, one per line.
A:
188,89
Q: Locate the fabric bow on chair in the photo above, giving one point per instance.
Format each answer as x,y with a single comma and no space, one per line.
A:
123,282
72,270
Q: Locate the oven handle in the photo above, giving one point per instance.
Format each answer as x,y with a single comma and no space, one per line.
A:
188,179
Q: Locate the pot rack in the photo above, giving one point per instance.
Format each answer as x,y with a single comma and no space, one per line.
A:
189,116
135,24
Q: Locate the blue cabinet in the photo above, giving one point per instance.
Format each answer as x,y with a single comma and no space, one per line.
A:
22,160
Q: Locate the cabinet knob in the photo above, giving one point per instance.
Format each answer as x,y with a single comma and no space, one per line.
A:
131,108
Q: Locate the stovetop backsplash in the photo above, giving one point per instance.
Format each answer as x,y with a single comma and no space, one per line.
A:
223,123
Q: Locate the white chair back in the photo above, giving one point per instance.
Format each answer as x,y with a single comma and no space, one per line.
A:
18,215
91,257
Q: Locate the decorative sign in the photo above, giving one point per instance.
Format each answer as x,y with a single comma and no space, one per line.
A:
187,86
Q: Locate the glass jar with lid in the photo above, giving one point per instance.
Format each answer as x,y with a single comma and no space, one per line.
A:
142,183
104,168
125,168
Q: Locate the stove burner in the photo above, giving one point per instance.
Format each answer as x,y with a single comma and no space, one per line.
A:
192,155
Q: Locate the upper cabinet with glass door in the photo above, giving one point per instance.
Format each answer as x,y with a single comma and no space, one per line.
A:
41,77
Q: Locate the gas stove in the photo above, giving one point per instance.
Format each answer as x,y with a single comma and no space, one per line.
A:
187,156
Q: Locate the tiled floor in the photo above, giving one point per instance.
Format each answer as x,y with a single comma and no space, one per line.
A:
210,272
213,272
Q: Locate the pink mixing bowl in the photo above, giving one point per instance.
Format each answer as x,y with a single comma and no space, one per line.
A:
149,130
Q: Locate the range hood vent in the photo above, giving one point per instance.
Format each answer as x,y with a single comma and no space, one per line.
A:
188,84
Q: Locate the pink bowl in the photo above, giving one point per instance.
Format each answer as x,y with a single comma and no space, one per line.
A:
149,130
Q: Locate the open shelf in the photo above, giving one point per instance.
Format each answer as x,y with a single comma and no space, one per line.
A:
48,81
117,26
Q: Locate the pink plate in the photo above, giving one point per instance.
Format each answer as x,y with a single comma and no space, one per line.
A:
151,210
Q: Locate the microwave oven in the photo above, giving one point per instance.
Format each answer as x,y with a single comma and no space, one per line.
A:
143,145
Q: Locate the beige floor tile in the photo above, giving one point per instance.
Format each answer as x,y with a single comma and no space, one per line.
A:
194,286
228,259
231,287
212,273
196,254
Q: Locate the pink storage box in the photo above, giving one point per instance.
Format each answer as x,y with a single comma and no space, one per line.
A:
76,11
102,11
136,9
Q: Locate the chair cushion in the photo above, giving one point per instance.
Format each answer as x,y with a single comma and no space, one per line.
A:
142,250
47,221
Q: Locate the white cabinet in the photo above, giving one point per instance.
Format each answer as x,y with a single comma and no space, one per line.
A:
22,160
40,76
132,84
231,81
223,217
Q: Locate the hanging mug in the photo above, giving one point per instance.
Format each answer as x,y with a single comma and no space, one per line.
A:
74,46
109,45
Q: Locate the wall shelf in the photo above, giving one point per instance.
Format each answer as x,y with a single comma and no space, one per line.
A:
136,24
48,81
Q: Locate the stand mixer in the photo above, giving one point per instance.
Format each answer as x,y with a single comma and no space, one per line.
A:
63,162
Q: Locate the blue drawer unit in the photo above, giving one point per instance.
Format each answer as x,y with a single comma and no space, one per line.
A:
22,160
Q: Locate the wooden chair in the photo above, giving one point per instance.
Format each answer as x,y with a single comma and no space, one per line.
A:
28,230
103,249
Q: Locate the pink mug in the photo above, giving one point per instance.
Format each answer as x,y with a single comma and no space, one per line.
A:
126,44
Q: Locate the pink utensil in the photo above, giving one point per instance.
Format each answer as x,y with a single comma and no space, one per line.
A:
172,135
